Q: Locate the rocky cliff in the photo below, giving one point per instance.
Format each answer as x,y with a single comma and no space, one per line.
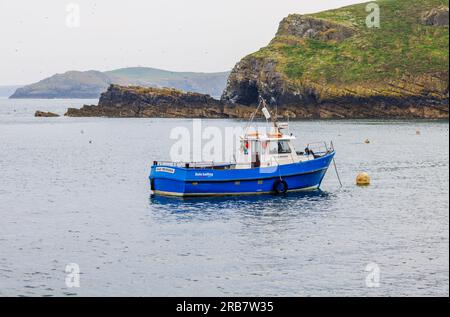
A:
331,65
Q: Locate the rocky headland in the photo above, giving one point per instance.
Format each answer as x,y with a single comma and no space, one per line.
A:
140,102
324,65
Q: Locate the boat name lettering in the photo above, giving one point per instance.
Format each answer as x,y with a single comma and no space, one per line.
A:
165,170
204,174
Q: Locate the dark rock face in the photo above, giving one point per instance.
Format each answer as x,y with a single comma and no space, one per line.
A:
436,17
45,114
251,78
420,97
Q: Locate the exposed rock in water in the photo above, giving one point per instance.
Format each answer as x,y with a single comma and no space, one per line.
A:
45,114
330,65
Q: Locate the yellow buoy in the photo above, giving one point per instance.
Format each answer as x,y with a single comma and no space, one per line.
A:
367,141
363,179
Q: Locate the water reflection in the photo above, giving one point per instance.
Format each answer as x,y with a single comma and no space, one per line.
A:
259,206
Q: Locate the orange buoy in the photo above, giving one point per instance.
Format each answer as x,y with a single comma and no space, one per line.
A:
363,179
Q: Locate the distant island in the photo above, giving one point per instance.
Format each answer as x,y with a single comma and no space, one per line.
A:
325,65
90,84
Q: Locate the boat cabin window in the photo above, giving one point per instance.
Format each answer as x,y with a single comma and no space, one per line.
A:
280,147
275,147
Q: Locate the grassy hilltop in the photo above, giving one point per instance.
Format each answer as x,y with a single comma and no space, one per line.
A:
401,45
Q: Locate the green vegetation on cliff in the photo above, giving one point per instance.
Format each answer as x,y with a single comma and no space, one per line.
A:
403,45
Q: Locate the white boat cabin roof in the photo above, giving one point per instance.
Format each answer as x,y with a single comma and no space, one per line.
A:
267,137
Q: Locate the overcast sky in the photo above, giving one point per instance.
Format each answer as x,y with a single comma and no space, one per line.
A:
41,38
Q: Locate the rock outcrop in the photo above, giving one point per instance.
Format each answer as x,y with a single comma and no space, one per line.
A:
140,102
45,114
312,28
436,17
331,65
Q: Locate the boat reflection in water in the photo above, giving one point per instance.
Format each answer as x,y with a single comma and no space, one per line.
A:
295,203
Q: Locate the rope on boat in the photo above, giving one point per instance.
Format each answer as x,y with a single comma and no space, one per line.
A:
252,117
337,173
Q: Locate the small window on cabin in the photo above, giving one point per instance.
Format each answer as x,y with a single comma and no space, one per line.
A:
280,147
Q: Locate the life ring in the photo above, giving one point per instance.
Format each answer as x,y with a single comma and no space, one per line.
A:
280,187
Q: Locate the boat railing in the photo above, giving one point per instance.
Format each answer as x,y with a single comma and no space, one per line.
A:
194,165
319,149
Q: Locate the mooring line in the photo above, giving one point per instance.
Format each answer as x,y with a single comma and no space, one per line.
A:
337,173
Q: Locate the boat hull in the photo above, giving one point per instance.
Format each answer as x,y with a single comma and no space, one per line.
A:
185,182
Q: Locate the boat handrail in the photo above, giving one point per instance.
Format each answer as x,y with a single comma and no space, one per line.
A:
193,165
320,148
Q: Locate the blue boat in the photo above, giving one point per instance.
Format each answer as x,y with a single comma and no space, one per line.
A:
268,164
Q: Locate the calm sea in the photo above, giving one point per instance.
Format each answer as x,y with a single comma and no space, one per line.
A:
75,191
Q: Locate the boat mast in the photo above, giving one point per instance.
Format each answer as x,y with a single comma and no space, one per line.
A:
267,113
267,109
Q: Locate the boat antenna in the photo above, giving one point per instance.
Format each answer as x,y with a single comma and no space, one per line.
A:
269,115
